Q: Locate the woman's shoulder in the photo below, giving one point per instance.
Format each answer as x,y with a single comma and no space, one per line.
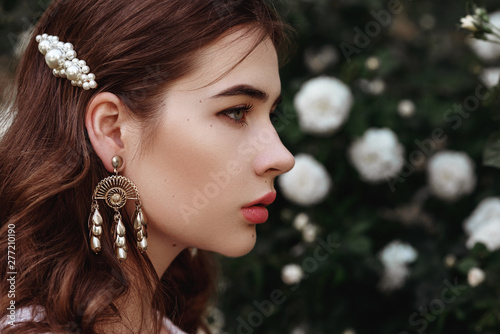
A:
171,328
22,314
37,313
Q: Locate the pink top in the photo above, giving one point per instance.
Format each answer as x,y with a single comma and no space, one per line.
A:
26,314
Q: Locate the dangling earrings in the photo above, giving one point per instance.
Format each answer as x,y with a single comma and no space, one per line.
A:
115,191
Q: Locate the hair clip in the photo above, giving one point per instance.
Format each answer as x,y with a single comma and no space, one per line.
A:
61,58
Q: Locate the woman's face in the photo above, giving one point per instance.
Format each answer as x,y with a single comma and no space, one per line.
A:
215,153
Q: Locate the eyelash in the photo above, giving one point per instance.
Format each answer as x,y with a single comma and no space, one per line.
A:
274,115
245,108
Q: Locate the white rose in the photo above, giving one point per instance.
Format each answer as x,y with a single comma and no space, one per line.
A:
309,232
451,175
377,87
487,233
300,221
307,183
487,209
450,260
475,276
218,320
374,87
292,274
298,330
397,253
318,60
485,50
490,76
406,108
372,63
393,278
468,23
377,155
395,257
323,105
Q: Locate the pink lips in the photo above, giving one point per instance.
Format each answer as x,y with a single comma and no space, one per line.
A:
255,212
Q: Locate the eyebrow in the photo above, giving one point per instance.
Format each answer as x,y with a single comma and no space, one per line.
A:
246,90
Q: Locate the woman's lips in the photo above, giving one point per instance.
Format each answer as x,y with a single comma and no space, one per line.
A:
255,212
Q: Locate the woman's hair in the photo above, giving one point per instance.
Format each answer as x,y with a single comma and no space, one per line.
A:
48,168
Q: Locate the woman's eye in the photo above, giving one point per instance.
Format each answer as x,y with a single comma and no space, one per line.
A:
238,114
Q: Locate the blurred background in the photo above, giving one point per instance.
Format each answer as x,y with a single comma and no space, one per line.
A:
390,221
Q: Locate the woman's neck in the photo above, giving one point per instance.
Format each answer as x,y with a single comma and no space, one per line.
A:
162,252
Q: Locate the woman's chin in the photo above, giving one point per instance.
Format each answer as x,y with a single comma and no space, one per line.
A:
237,249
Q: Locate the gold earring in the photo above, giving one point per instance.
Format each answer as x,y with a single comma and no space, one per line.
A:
115,190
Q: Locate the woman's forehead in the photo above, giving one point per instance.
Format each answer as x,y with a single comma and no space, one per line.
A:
237,58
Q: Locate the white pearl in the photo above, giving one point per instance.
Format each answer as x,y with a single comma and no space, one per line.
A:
71,54
52,58
62,59
44,46
73,73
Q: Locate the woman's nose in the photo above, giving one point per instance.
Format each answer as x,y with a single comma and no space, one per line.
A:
273,158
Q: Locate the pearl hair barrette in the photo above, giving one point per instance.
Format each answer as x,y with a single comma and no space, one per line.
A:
61,58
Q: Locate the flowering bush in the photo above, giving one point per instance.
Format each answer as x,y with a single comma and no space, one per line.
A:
403,240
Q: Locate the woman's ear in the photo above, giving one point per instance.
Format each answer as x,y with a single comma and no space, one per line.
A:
105,120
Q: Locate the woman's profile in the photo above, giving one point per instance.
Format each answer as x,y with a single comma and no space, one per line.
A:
141,132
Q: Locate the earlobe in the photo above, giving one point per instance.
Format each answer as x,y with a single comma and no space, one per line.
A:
105,119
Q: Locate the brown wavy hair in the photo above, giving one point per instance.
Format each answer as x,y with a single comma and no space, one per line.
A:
48,168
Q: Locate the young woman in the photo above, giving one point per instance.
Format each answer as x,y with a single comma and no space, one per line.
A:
162,121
